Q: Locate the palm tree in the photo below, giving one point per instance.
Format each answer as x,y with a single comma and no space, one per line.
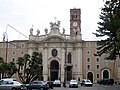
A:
31,67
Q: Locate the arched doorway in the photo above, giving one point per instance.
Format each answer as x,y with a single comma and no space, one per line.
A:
90,76
54,70
105,74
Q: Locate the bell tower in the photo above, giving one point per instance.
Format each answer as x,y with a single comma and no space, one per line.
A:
75,21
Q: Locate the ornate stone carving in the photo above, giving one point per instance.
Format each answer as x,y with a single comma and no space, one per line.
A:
52,25
31,31
63,30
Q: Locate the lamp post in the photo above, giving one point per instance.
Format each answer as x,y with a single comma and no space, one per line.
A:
5,39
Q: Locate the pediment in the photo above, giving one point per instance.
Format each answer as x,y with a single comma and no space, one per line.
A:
54,39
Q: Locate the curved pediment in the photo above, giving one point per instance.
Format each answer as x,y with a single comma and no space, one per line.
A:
54,38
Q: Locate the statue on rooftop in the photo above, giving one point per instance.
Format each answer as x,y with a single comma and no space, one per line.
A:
38,32
46,30
63,30
56,24
31,31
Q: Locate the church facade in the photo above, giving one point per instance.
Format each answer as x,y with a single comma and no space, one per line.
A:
65,56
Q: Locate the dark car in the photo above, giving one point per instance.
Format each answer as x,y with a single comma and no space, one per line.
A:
37,85
106,81
50,83
11,84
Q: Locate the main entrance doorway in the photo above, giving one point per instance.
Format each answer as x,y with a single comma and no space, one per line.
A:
54,70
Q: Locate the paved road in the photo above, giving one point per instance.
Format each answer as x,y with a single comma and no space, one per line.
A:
95,87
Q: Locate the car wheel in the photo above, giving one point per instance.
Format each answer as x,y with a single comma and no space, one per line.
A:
29,89
42,89
13,89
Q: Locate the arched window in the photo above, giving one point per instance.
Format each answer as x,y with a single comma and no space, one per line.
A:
69,57
105,74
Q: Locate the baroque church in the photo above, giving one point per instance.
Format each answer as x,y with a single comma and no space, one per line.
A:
64,56
61,52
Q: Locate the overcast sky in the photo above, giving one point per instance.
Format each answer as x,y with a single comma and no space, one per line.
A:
23,14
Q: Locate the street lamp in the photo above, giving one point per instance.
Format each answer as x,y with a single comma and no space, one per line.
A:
5,39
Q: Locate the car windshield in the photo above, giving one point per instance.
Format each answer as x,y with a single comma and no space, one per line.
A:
57,81
37,82
73,81
87,80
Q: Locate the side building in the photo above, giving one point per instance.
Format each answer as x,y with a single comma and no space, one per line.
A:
64,56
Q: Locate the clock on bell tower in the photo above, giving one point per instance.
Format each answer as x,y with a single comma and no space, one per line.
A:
75,20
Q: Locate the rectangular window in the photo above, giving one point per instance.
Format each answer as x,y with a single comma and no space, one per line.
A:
13,59
22,45
97,59
88,52
14,45
88,59
13,53
98,76
88,67
97,66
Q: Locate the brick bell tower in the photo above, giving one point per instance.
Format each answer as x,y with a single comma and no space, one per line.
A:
75,21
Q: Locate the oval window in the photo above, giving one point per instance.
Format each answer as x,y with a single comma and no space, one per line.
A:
54,52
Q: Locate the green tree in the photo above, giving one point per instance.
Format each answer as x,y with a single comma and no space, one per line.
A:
110,27
30,68
7,69
11,69
1,67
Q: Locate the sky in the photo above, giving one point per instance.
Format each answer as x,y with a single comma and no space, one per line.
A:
18,16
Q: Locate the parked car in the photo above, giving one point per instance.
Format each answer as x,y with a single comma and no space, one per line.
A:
50,83
37,85
73,83
57,83
106,81
11,84
86,82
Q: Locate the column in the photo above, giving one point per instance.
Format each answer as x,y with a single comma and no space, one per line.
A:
45,67
79,62
48,72
62,64
59,76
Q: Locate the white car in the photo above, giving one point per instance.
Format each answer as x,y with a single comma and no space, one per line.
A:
73,83
57,83
11,84
86,82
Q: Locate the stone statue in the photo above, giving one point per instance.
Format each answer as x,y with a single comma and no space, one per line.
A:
63,30
51,24
31,31
58,22
46,30
38,32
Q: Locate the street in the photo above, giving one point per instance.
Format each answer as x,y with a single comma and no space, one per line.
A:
94,87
